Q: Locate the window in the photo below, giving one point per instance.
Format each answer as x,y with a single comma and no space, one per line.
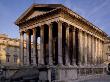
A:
15,58
7,58
15,49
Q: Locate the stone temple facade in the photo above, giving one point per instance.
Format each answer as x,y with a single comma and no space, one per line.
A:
70,46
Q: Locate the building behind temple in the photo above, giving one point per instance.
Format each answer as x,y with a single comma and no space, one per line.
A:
70,46
9,51
10,55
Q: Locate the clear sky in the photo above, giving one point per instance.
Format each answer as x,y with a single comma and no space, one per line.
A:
96,11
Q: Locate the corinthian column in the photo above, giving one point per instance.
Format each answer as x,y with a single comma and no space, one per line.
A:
60,42
101,52
28,51
90,50
21,48
67,61
102,43
85,49
74,48
93,52
96,52
41,59
80,48
35,54
50,45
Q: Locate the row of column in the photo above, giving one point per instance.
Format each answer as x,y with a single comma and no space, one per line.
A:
87,50
40,60
91,49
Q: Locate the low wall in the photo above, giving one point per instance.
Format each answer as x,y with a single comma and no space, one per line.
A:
56,73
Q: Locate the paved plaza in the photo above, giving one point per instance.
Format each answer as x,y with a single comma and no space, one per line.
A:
105,78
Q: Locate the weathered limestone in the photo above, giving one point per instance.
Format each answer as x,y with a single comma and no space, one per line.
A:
93,52
90,49
74,47
41,59
60,42
95,42
21,48
80,48
28,44
67,47
50,44
35,51
85,48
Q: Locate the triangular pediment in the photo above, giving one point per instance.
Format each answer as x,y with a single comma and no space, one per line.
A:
37,9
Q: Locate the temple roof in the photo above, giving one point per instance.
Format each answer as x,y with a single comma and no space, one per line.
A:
38,10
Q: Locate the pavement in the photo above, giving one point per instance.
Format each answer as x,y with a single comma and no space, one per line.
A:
104,78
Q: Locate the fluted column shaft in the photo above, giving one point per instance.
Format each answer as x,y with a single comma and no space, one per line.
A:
99,52
21,48
93,52
28,38
35,51
74,48
85,49
96,51
102,52
50,45
67,62
80,48
41,58
60,43
88,49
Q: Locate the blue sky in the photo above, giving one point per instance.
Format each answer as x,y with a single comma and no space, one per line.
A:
96,11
